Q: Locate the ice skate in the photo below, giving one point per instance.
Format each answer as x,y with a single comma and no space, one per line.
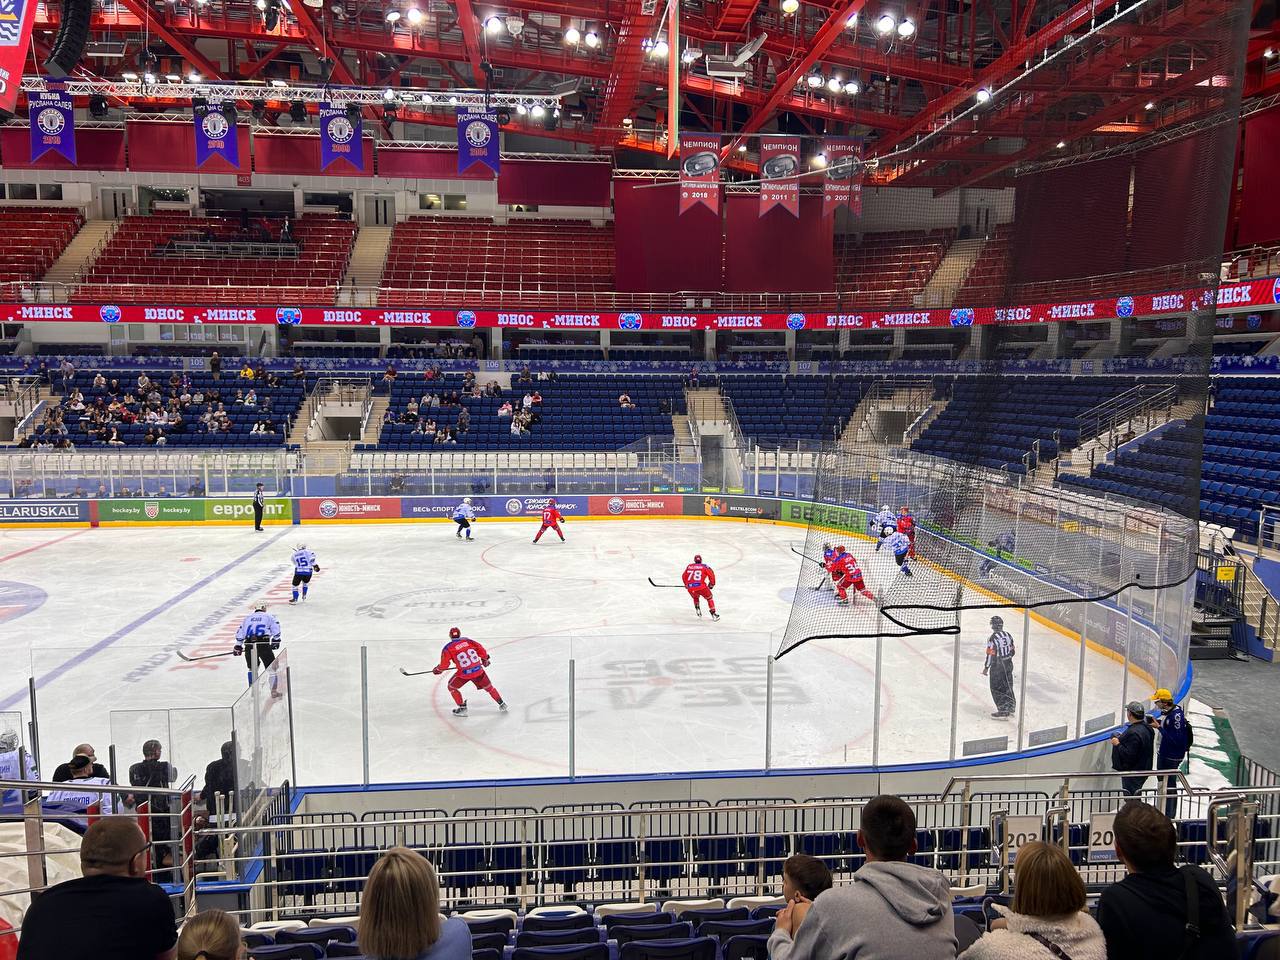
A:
460,711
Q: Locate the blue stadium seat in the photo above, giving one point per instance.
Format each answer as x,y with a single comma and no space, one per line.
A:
746,948
555,938
318,935
637,920
697,948
572,951
658,931
287,951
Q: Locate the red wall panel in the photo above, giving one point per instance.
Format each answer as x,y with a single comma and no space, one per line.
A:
281,153
658,250
1260,206
96,149
171,148
413,163
777,252
1180,201
555,183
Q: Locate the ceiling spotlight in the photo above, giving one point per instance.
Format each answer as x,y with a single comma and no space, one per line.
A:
906,28
539,112
148,78
297,111
393,16
492,26
886,24
193,77
790,6
515,25
852,21
414,15
1061,144
835,84
173,78
983,95
591,39
1269,53
279,83
261,4
690,55
521,109
815,80
428,98
853,88
128,77
1151,105
627,121
453,101
573,36
660,48
742,148
388,94
820,160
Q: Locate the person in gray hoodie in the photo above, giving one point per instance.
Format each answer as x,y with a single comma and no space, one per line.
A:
893,910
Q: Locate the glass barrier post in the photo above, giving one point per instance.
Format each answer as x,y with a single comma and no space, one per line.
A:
768,714
1022,685
955,693
1084,646
573,720
364,712
1128,641
879,682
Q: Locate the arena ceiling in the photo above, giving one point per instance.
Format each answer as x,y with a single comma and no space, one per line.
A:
1065,76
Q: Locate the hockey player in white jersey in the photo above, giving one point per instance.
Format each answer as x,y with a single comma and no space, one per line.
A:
258,639
899,543
304,564
464,515
885,518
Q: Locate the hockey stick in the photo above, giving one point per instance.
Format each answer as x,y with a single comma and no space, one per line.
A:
807,557
212,656
674,586
418,673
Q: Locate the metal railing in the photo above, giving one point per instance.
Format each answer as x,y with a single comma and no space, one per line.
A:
1128,412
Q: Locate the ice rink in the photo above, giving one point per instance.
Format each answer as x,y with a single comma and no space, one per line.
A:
97,616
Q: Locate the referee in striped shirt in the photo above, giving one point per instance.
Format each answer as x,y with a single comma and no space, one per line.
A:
259,507
999,668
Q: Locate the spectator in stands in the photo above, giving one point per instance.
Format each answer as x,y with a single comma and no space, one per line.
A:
251,398
526,403
1046,919
624,401
804,876
396,487
464,420
693,378
890,901
411,412
505,409
99,381
1145,915
211,935
111,913
469,379
246,370
215,365
150,437
220,778
525,375
391,374
1176,739
102,493
400,913
62,772
144,383
299,371
1133,749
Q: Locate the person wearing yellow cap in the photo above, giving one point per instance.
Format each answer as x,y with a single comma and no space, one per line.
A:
1175,740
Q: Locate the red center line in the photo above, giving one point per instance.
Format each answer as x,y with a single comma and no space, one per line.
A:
41,546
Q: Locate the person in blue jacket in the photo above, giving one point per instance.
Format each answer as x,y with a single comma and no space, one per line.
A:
1176,739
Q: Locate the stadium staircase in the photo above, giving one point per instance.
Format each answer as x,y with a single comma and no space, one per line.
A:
82,252
941,289
364,271
686,443
913,399
1140,410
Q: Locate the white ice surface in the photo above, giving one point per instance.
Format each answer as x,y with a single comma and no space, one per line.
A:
656,689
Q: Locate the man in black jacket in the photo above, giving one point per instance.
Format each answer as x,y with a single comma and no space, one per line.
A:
1145,915
1134,749
220,777
62,773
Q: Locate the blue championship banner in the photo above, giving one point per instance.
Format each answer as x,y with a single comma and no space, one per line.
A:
216,133
341,137
53,123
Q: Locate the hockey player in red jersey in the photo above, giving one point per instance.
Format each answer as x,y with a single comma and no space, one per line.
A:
907,525
551,520
469,659
698,580
846,573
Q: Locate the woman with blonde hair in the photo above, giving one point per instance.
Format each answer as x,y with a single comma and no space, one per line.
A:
1045,921
211,935
400,913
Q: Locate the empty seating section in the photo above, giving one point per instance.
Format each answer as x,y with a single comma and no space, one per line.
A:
794,408
217,260
34,237
1241,470
888,269
278,403
541,261
1160,469
577,413
995,423
988,278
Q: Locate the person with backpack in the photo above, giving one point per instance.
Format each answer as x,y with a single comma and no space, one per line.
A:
1176,738
1160,911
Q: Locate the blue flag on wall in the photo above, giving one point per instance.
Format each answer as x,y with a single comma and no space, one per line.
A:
340,136
216,133
53,123
478,139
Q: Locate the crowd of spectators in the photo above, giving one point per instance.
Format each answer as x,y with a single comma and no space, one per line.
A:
893,909
175,406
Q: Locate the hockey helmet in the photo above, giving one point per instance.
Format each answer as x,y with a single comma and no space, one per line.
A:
904,509
551,502
466,500
997,623
885,509
697,558
260,606
840,549
454,633
888,530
